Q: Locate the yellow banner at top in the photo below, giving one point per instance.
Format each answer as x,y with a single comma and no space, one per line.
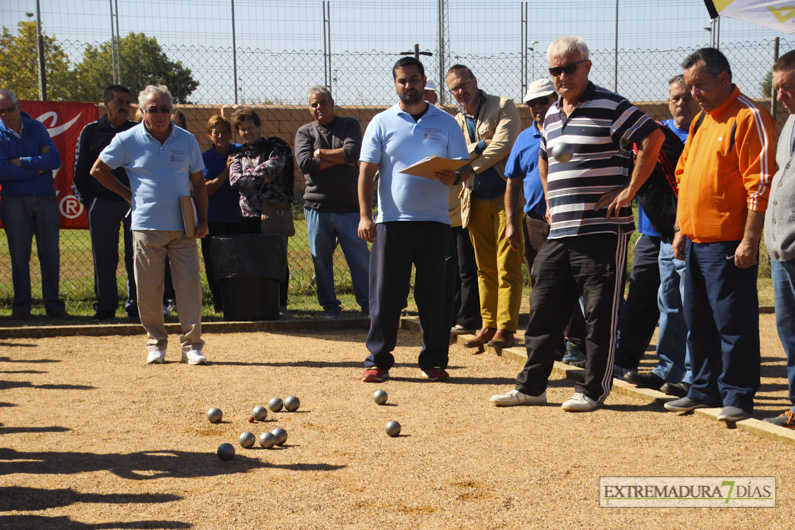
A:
778,15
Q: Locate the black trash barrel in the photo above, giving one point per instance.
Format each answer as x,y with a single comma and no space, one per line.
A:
249,269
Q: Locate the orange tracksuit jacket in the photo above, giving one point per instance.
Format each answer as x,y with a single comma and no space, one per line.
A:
719,182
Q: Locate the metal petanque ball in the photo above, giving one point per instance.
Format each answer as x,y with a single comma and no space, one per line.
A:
247,440
280,434
267,440
563,152
214,415
380,397
392,428
275,404
291,403
259,413
226,452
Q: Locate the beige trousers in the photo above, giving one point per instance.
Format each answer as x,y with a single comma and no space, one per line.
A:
151,248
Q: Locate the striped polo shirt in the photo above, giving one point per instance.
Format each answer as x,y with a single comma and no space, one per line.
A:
601,130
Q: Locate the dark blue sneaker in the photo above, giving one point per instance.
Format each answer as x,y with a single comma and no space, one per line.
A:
574,355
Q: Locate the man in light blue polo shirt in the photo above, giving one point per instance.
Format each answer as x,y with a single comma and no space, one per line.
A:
162,162
413,223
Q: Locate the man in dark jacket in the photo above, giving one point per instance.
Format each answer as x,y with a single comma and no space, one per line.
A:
106,210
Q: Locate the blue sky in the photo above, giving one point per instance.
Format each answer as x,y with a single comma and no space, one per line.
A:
280,43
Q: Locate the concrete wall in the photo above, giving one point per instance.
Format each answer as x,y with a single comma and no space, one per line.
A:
283,121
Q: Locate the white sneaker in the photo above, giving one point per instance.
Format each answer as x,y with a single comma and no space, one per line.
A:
579,403
193,357
156,357
514,398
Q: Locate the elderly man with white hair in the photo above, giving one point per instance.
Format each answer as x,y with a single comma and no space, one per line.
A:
162,161
588,197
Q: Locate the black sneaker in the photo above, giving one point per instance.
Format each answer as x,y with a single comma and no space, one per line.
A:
645,380
102,315
676,389
686,405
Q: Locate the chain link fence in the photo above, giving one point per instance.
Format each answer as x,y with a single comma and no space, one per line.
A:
352,47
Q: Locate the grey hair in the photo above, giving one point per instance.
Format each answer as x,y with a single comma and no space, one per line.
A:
318,89
7,92
679,78
159,90
567,44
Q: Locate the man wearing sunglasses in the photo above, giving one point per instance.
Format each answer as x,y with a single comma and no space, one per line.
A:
588,199
521,171
490,125
29,207
162,162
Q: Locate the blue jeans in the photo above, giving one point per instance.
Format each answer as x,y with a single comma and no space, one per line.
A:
721,307
783,275
673,363
23,217
324,229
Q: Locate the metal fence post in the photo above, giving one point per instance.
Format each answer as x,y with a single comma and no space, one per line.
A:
773,108
40,46
234,49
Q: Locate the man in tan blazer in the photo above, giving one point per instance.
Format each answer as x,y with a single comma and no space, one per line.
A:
490,125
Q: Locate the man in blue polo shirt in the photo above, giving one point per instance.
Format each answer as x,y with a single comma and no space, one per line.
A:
413,223
588,205
162,161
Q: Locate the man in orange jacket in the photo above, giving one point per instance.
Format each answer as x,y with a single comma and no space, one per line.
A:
724,177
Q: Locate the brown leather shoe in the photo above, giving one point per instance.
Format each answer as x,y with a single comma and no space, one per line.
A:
502,339
481,338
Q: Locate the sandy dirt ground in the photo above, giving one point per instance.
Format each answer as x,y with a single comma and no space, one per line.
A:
91,437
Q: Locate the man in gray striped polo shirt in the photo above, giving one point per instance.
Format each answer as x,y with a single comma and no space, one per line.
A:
588,196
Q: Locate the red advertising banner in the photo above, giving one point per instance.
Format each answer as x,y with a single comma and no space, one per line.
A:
65,122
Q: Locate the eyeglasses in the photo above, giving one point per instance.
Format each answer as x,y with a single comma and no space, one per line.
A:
538,101
686,98
9,110
570,68
462,86
155,110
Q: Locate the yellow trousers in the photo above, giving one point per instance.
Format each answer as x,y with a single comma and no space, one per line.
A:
499,267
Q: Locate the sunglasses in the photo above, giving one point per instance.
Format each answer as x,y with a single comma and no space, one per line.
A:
9,110
570,68
155,110
538,101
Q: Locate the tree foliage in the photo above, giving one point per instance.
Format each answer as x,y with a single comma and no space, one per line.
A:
143,62
19,67
767,85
